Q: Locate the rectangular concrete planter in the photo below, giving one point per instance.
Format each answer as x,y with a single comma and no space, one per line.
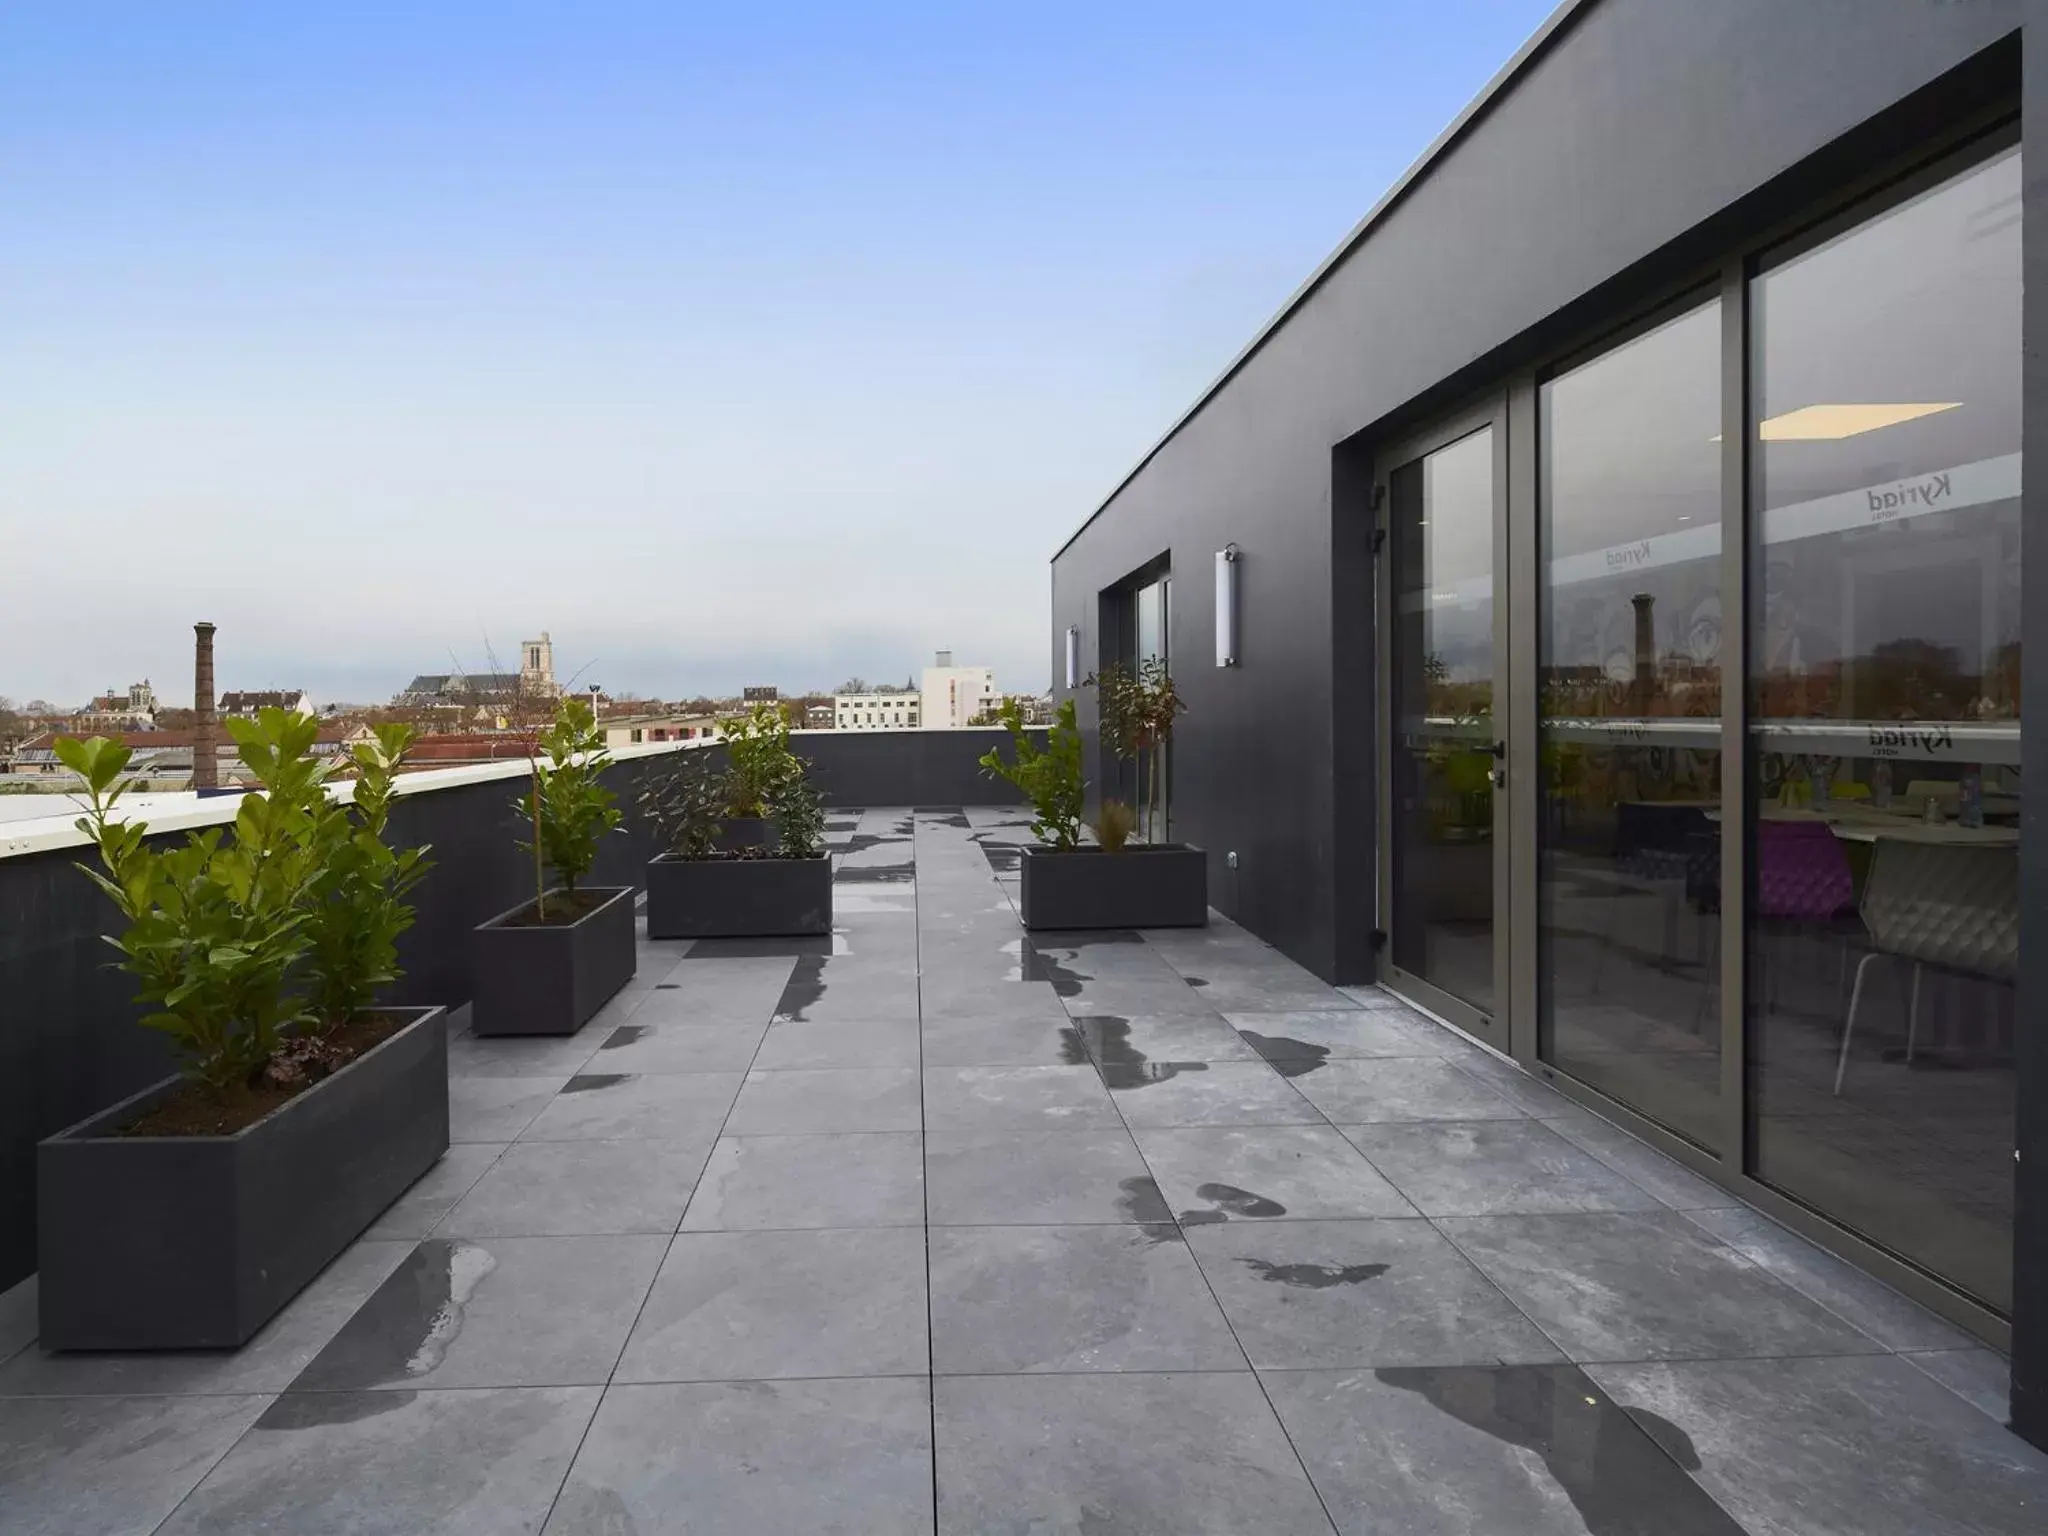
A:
195,1242
738,898
1139,887
551,980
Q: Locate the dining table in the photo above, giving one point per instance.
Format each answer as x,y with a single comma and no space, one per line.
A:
1857,822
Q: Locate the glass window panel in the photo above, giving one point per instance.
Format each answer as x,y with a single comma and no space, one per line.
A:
1151,638
1441,860
1884,678
1629,722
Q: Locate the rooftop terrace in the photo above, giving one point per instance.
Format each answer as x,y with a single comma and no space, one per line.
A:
933,1225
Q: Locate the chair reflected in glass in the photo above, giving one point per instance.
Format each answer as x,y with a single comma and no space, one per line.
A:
1656,848
1954,907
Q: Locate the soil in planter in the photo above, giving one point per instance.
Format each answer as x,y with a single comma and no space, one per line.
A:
562,910
198,1109
739,855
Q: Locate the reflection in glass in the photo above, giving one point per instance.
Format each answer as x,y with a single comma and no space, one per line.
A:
1143,635
1629,701
1441,859
1885,699
1151,628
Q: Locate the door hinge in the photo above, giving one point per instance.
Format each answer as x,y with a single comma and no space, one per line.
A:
1379,538
1379,939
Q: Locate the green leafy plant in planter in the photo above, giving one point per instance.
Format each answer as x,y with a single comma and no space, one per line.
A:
359,907
567,804
758,759
799,818
684,800
249,947
1050,778
1138,710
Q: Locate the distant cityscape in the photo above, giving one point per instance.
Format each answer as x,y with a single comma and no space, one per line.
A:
470,717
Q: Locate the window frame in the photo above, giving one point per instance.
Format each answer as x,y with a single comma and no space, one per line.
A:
1963,145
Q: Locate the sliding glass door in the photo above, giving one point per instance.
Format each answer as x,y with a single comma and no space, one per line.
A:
1700,682
1444,878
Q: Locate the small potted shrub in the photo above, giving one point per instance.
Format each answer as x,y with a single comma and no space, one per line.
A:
187,1215
702,887
1111,884
758,760
1138,710
548,965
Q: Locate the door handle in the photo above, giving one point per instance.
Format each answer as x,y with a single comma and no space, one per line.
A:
1499,749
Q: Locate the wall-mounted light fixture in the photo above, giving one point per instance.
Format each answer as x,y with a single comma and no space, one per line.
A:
1226,605
1073,656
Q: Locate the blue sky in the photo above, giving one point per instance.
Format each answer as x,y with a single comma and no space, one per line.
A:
757,342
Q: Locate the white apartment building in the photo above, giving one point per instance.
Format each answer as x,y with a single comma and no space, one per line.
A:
955,695
895,709
638,730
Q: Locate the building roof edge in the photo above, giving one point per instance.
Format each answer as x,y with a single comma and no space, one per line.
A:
1538,42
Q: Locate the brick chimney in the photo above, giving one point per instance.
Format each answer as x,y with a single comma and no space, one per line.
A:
1646,651
205,760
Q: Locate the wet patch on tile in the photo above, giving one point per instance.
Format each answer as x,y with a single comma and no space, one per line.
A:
806,985
592,1082
1196,981
1140,1200
668,986
1074,1050
1040,966
1226,1201
319,1410
1615,1465
861,842
404,1330
1159,1232
1104,1040
1084,938
625,1034
1144,1074
1003,858
769,948
1233,1201
1290,1058
1314,1277
874,874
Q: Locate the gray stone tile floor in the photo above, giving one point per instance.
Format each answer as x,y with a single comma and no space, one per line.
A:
933,1226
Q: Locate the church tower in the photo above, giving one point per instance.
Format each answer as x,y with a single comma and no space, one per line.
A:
537,667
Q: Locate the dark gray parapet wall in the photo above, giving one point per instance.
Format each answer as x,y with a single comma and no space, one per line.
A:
69,1043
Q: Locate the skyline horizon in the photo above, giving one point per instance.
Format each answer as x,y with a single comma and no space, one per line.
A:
176,696
775,342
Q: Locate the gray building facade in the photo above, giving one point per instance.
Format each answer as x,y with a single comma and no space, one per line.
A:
1626,571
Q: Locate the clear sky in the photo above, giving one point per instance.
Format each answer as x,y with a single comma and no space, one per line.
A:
729,343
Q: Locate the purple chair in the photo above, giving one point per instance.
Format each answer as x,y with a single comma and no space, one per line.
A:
1802,872
1803,881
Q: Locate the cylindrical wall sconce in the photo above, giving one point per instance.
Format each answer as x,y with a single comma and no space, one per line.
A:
1226,605
1073,656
